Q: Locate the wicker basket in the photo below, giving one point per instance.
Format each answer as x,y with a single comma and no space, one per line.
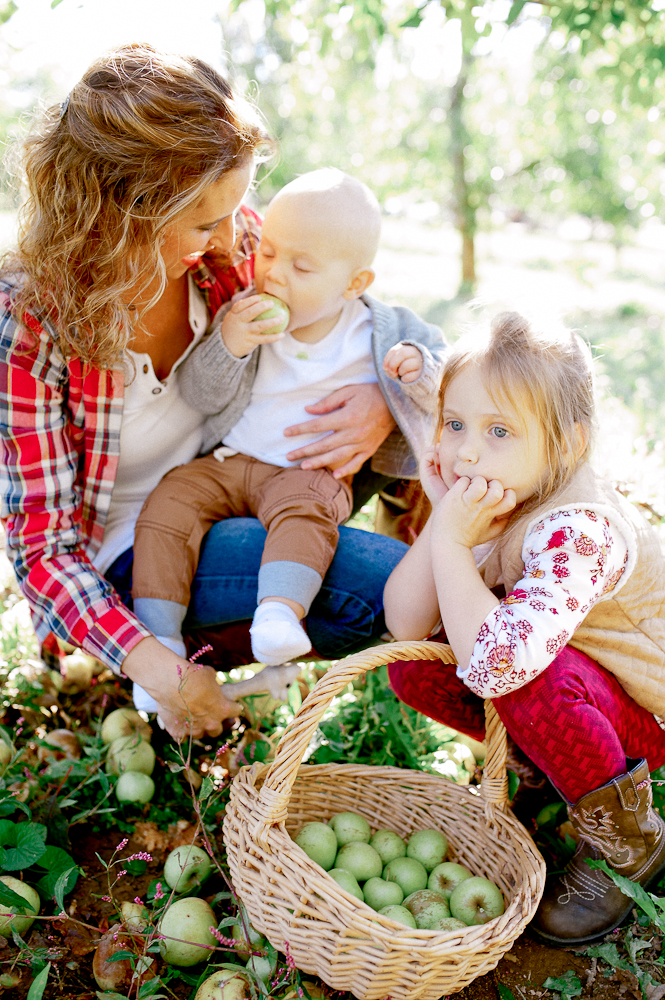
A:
291,899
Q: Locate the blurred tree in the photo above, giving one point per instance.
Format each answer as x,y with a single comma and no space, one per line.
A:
339,51
6,10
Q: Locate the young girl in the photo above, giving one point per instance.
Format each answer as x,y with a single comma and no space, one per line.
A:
551,591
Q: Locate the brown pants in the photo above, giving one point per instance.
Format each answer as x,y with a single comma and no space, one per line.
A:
301,511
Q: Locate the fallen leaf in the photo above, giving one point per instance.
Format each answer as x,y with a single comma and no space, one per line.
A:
79,940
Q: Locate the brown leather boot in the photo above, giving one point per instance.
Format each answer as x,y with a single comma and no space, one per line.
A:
616,822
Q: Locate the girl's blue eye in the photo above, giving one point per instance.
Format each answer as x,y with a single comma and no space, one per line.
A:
500,432
456,425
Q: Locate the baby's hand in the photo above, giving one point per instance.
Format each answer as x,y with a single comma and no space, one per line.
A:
242,332
403,362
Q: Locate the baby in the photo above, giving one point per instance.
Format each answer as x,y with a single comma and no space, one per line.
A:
318,244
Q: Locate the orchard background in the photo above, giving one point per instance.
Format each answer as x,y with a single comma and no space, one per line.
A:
518,152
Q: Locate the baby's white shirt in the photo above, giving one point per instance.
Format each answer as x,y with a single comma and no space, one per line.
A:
292,375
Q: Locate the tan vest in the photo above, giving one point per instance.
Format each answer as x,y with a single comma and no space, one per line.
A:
625,631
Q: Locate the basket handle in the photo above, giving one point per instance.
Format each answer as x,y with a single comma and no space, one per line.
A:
275,793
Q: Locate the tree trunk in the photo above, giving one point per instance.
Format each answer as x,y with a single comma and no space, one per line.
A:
465,213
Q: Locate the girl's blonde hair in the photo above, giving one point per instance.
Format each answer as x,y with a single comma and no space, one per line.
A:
549,373
137,141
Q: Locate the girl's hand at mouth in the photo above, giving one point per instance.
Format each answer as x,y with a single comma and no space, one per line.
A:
474,511
430,477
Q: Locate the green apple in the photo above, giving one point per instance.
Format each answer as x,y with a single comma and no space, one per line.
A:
319,843
6,754
350,828
124,722
400,914
388,845
78,668
189,920
65,742
186,866
262,966
448,924
245,935
409,874
446,877
135,916
359,859
345,880
427,907
479,750
134,786
379,893
277,309
224,985
476,900
130,753
20,922
427,846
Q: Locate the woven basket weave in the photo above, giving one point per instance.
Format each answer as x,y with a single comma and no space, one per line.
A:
332,934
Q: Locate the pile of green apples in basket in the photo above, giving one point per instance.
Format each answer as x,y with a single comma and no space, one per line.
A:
408,881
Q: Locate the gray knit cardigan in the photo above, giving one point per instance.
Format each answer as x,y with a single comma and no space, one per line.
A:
218,384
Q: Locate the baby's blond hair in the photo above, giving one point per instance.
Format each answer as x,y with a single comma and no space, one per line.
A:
353,211
549,373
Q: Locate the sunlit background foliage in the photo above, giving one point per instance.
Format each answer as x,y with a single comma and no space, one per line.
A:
471,119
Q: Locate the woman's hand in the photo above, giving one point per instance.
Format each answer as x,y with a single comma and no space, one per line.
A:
430,476
360,420
190,699
242,331
474,511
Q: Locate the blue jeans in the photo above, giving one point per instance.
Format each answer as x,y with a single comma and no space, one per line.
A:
346,614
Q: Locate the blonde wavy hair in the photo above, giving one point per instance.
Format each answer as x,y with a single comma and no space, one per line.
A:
549,373
136,142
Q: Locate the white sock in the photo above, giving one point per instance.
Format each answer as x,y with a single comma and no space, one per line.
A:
277,635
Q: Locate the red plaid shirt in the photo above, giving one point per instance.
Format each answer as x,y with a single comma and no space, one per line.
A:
59,445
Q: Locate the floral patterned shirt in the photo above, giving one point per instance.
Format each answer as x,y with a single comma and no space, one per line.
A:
572,558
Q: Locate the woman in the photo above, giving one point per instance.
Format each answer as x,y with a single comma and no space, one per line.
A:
135,187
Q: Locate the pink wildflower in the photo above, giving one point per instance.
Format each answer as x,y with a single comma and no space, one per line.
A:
107,899
123,872
158,891
200,652
226,942
290,961
123,843
137,899
141,856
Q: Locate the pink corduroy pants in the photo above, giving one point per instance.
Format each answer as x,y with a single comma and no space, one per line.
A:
574,720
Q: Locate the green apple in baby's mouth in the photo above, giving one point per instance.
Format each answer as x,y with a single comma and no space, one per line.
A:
277,310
